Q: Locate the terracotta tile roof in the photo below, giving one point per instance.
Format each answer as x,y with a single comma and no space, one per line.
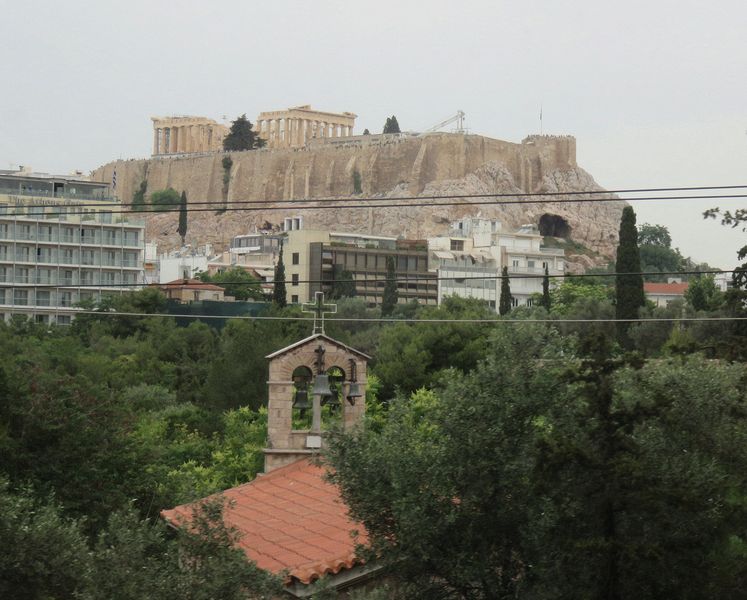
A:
677,289
291,521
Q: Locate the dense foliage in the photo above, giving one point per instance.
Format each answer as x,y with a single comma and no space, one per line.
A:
165,200
391,125
237,283
554,470
241,136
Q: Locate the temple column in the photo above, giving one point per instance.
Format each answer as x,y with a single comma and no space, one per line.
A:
275,133
155,140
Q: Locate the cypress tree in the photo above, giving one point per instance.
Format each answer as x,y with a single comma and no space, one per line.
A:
504,306
546,303
279,296
389,301
391,125
628,288
182,228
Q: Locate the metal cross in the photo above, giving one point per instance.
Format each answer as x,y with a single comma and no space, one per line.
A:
319,308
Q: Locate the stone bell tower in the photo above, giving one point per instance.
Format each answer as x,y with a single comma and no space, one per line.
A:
304,376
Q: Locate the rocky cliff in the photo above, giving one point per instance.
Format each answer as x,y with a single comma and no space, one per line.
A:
439,165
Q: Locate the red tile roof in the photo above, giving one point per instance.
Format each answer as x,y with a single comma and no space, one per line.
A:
291,521
677,289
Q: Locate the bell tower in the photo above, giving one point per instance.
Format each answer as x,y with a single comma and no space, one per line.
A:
313,383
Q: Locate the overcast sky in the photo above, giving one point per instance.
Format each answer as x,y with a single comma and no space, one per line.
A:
655,91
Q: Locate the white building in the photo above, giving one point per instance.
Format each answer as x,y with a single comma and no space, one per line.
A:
63,240
185,263
469,260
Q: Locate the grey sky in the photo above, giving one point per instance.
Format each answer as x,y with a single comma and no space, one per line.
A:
655,91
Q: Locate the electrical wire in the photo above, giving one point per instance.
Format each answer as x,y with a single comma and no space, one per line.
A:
434,197
111,313
383,278
349,204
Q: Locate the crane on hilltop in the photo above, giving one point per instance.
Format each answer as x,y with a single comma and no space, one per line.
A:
457,118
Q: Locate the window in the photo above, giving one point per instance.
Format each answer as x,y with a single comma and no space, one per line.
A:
515,263
294,258
22,275
294,279
66,299
63,319
294,299
67,277
41,319
530,264
544,264
43,298
20,297
457,245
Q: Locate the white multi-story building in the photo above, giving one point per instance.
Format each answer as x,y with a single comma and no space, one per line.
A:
62,241
469,260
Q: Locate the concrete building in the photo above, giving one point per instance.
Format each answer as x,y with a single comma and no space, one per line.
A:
469,260
294,127
314,259
184,263
62,241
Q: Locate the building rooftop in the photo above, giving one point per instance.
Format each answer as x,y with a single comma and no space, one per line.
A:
677,289
292,522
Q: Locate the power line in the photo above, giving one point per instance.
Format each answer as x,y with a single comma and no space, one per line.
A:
406,320
383,278
348,204
450,196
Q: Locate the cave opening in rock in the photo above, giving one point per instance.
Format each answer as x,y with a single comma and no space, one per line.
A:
554,226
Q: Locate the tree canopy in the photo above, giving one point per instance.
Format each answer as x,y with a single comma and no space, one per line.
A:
391,125
543,474
237,282
241,136
165,200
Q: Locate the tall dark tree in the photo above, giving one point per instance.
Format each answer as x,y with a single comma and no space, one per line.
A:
391,125
279,294
629,288
391,296
182,228
546,302
504,306
241,136
138,198
343,285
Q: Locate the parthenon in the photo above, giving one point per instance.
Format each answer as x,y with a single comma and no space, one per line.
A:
185,135
294,127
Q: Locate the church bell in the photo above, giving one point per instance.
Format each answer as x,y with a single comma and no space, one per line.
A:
354,392
301,401
321,385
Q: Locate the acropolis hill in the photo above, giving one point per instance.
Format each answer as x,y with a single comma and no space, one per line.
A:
439,164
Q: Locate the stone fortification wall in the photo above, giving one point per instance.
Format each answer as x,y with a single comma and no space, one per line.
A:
381,165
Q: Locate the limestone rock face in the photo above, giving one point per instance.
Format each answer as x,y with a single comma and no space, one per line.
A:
425,172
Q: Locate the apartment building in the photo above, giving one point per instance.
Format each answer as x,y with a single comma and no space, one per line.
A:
62,241
469,260
314,259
